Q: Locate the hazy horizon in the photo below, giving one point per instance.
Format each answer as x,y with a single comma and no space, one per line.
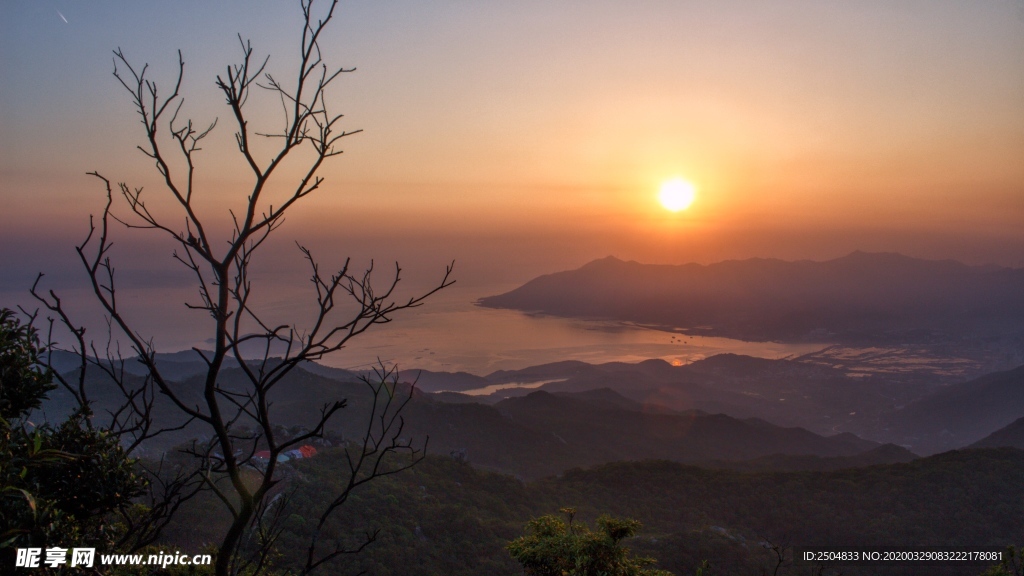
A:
526,138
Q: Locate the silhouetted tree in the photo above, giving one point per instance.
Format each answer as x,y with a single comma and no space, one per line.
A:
59,483
346,304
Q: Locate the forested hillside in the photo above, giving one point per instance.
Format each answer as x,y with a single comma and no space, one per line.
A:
446,517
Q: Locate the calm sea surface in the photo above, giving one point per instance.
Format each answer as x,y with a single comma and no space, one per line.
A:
452,334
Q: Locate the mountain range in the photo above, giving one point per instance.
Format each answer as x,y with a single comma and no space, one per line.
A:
631,411
540,434
859,298
925,415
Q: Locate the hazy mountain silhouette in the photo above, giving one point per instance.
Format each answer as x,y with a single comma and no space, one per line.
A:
544,433
429,381
1011,436
961,414
789,393
860,297
537,435
588,413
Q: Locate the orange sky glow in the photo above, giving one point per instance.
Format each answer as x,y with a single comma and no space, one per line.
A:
523,138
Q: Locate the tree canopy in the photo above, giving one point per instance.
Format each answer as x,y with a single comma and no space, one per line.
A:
58,483
555,547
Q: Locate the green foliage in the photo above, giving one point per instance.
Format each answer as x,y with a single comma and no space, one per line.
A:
58,484
1012,564
23,381
557,548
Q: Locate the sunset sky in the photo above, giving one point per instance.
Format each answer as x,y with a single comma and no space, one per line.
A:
525,137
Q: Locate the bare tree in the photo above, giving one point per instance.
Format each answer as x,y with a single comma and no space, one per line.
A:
346,304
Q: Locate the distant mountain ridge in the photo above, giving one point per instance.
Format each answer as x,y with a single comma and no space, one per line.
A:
538,435
1011,436
962,414
861,296
923,414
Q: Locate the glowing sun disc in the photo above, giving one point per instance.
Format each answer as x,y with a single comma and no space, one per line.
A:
677,194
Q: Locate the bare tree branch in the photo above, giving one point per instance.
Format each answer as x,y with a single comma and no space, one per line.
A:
235,409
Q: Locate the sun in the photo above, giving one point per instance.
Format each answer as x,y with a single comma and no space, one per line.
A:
677,194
